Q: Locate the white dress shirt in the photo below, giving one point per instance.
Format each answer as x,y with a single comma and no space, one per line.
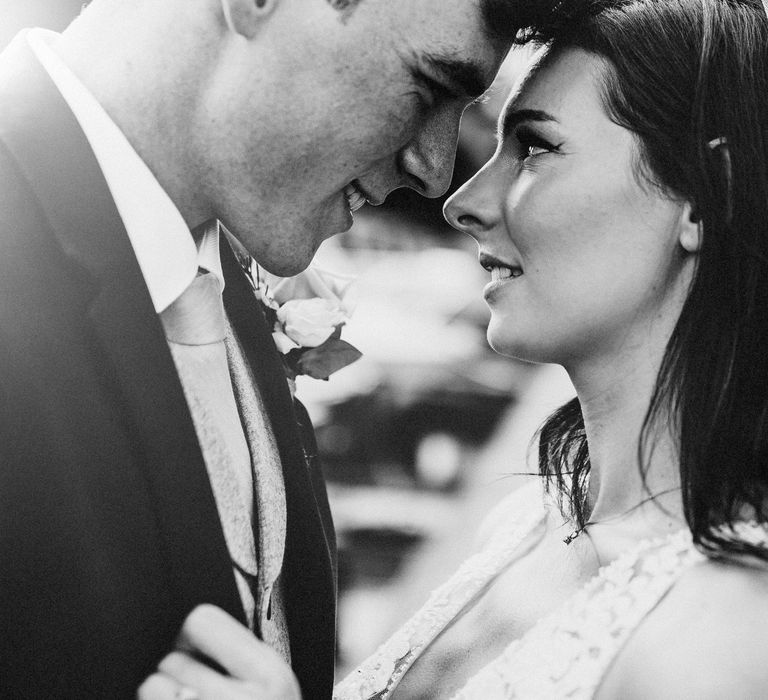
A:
164,247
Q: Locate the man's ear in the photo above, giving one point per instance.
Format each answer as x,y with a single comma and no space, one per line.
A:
244,17
690,229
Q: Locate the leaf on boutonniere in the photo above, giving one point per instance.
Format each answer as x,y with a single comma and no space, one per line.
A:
321,362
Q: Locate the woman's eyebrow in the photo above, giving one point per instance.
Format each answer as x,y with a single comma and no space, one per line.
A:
512,117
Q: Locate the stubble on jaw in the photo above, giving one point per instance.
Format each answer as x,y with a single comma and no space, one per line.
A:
345,7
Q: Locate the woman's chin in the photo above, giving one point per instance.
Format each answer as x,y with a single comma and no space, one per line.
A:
504,345
505,337
518,347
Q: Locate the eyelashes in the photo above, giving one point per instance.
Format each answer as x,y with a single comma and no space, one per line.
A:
530,144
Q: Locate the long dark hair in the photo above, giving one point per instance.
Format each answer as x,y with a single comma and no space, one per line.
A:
690,79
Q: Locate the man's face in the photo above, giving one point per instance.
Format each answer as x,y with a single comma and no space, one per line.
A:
325,107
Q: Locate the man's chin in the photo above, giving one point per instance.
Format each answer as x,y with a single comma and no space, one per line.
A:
291,248
287,262
285,269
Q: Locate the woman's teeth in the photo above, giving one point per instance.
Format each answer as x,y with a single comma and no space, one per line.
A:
355,198
504,273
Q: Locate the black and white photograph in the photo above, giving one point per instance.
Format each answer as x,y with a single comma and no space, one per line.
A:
384,349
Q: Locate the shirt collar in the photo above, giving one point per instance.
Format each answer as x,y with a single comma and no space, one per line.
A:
166,252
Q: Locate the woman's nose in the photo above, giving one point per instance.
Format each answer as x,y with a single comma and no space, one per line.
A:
465,222
466,214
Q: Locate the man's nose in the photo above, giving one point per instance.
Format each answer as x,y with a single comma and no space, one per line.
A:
427,161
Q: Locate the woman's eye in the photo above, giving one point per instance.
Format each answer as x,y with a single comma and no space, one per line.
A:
535,150
532,145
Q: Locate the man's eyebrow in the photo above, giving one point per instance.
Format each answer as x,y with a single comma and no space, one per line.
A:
512,117
465,76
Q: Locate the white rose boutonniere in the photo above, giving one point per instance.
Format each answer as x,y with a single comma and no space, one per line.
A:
310,311
310,322
306,314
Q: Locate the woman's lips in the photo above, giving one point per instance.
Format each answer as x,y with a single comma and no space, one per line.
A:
500,270
503,273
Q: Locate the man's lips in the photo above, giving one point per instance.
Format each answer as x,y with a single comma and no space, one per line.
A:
357,195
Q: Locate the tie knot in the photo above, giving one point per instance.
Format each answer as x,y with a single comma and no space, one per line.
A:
197,316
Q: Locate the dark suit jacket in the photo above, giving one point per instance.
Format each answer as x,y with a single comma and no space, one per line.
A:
109,533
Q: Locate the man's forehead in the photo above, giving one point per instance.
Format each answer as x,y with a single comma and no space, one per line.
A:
449,37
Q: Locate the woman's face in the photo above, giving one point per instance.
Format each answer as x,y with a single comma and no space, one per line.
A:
585,256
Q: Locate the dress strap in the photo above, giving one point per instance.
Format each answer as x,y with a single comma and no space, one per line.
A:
378,676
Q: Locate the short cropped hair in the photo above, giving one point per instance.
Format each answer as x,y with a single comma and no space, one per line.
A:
504,19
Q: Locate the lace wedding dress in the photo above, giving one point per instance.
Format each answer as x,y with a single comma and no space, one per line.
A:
567,653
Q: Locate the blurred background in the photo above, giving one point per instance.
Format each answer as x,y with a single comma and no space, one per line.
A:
424,434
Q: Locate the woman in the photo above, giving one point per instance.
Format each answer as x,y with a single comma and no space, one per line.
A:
623,220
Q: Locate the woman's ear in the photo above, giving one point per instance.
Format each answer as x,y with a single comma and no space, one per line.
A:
244,17
690,229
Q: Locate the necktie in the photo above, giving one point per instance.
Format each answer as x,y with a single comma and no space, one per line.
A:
195,327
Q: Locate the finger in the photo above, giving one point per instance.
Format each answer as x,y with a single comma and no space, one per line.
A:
210,631
188,673
160,686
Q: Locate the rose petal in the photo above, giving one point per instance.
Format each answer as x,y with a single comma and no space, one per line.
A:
314,282
321,362
310,322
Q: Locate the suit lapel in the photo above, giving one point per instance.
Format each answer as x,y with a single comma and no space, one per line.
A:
39,130
308,573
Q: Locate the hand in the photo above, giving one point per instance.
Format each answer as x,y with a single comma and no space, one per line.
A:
251,669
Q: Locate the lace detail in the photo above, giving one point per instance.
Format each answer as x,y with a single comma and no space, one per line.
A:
566,654
378,676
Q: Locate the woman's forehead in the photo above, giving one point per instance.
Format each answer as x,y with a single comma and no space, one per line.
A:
557,82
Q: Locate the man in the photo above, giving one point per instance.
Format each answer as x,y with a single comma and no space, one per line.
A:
133,447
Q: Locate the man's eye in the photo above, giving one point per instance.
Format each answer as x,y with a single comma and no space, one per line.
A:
437,91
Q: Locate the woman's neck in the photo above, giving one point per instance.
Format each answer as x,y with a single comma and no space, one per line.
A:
614,401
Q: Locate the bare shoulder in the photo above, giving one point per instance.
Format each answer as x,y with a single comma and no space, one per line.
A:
705,640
